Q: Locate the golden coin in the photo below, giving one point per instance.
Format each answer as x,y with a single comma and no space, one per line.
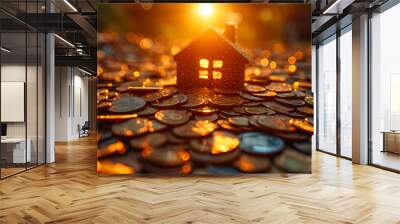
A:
168,156
276,123
222,158
239,121
207,117
152,96
225,101
302,125
127,104
217,143
227,126
172,117
169,102
277,107
305,110
149,140
266,94
194,100
136,126
250,97
194,129
293,162
109,147
248,163
253,88
279,87
291,102
204,110
259,110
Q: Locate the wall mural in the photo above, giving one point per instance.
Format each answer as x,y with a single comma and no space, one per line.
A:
204,88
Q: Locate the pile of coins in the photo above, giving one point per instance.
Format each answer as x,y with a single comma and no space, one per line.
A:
146,125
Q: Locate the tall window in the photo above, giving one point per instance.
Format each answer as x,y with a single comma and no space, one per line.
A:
346,93
327,96
385,88
215,69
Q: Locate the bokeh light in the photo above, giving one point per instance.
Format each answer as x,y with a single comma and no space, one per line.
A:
292,60
146,43
273,65
292,68
264,62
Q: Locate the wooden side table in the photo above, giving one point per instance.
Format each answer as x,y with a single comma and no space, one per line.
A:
391,141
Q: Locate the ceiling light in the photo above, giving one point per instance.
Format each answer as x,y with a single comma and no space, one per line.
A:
64,40
337,7
5,50
70,5
84,71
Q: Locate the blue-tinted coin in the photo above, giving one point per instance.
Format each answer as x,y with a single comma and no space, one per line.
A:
222,170
260,143
304,147
292,161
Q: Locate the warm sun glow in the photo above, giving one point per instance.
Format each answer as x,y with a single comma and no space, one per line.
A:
206,9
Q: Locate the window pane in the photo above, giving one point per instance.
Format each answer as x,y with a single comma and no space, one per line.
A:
203,74
217,64
217,75
327,97
203,63
346,94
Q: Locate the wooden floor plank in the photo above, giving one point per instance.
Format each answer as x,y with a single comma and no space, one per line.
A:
70,191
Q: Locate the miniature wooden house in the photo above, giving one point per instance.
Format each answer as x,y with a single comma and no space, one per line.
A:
212,60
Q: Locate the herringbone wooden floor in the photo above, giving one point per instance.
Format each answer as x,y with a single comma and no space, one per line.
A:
70,191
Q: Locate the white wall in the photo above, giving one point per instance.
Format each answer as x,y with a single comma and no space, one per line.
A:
71,94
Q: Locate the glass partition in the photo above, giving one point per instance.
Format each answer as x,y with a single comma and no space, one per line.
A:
31,97
13,87
22,88
41,97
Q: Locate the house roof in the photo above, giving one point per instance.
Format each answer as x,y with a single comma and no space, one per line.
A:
234,46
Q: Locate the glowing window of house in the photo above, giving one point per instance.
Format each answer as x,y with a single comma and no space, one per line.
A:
203,63
206,68
217,63
203,74
217,75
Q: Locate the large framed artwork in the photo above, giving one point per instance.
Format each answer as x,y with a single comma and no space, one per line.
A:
204,88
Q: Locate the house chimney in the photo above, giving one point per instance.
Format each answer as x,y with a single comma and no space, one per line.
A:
230,32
